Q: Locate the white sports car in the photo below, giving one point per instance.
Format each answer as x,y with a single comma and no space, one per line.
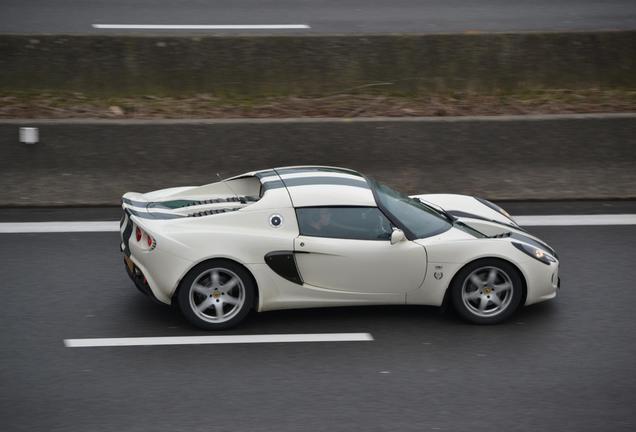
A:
314,236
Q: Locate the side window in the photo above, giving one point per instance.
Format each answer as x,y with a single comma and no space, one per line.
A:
358,223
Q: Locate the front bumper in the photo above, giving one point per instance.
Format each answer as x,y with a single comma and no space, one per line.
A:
543,282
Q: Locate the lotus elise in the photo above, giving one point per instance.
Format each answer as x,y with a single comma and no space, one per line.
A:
313,236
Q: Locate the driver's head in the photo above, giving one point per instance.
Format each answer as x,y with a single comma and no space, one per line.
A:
320,218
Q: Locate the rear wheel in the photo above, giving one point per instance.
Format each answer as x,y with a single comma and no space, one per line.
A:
487,291
216,295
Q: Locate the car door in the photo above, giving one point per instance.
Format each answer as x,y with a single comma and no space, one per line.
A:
349,249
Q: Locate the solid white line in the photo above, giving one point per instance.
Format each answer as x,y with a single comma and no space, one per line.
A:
577,220
58,227
202,26
113,226
205,340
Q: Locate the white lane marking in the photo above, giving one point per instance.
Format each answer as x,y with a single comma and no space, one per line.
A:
58,227
576,220
113,226
202,26
205,340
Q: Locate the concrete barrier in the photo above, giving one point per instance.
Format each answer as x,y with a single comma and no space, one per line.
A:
244,67
545,157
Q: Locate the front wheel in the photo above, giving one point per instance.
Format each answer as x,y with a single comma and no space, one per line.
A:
216,295
487,291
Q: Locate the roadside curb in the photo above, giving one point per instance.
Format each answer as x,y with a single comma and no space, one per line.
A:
204,121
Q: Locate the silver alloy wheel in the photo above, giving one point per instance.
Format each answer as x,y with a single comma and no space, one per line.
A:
217,295
487,291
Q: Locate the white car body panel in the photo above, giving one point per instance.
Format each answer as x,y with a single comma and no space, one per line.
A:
364,266
448,257
226,220
464,203
333,195
278,293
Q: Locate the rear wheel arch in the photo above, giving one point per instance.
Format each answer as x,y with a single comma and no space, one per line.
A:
206,263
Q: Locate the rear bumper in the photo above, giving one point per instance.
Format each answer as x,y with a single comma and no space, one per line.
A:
138,278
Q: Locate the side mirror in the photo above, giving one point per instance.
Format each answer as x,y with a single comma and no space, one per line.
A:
397,236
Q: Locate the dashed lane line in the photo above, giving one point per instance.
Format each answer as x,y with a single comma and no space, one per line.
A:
223,339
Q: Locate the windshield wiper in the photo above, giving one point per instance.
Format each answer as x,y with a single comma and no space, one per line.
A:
452,219
438,210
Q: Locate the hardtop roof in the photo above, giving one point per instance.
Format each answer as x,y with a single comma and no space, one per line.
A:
311,186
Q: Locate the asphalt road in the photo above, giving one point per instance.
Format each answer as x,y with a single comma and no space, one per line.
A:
342,16
564,365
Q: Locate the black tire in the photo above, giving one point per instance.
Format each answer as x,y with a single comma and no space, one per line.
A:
468,307
188,297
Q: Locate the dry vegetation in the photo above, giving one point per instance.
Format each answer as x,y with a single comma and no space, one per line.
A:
77,105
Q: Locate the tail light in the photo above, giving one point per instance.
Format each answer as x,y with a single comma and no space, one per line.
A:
145,240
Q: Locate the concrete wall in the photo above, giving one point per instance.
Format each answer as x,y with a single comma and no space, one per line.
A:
508,158
250,67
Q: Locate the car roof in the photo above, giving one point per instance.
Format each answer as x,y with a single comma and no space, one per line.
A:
310,186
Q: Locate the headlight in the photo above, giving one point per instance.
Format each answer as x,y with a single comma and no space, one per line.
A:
535,253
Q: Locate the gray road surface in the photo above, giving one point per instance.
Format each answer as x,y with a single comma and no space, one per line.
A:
348,16
565,365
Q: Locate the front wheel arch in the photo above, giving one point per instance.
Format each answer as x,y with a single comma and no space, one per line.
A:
524,285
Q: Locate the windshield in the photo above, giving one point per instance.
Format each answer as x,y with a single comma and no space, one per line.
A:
416,219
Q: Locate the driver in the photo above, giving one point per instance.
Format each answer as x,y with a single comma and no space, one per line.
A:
320,219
